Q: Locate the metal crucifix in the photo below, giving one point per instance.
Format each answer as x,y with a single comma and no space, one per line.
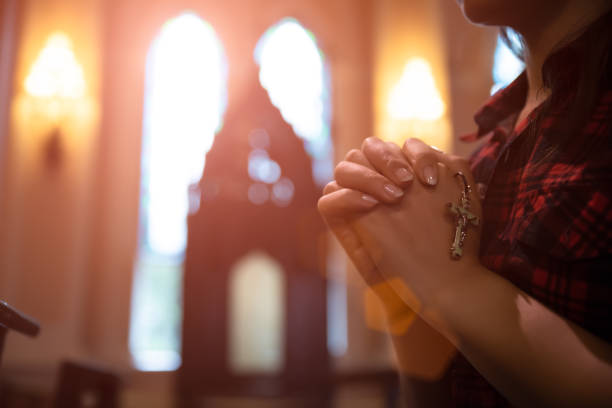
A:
463,218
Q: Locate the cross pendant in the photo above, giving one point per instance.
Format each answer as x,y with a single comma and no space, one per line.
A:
463,218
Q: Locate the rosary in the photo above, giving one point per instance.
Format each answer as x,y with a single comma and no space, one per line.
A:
463,217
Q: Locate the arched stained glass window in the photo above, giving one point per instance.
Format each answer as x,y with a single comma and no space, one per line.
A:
185,96
292,69
257,315
506,65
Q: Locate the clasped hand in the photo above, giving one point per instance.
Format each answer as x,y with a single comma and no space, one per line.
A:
388,208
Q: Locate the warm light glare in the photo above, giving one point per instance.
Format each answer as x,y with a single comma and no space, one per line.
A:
416,96
56,73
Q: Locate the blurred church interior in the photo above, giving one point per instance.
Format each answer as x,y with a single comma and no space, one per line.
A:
160,163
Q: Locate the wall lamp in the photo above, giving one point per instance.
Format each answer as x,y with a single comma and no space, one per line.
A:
415,106
55,88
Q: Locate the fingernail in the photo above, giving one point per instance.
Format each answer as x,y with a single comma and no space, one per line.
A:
393,190
430,175
403,174
369,199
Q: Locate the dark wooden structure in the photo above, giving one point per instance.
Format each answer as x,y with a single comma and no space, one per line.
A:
79,385
13,319
226,227
86,386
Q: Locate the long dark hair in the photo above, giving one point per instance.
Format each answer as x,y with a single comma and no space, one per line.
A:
576,73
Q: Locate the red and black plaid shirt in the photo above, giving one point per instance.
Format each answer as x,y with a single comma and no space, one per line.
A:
547,213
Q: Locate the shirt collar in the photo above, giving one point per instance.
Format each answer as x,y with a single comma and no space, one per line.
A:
499,107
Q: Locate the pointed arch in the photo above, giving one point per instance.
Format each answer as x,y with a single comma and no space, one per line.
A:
185,97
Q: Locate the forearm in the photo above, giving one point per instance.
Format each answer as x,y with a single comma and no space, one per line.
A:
423,356
422,352
530,354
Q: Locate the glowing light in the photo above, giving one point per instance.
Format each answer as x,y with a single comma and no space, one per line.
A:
285,54
156,311
256,315
262,168
292,71
506,65
282,192
415,96
185,102
157,360
56,73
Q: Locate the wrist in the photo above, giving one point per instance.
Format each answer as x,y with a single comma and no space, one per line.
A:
451,303
398,304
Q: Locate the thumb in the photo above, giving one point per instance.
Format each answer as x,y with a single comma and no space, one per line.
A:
423,159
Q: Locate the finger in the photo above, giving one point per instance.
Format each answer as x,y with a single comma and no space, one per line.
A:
344,203
331,187
357,177
336,207
357,156
387,158
423,159
357,253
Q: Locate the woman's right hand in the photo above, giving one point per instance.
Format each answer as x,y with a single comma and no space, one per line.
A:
379,172
358,187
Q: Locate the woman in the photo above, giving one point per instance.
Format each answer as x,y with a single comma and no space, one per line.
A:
527,297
